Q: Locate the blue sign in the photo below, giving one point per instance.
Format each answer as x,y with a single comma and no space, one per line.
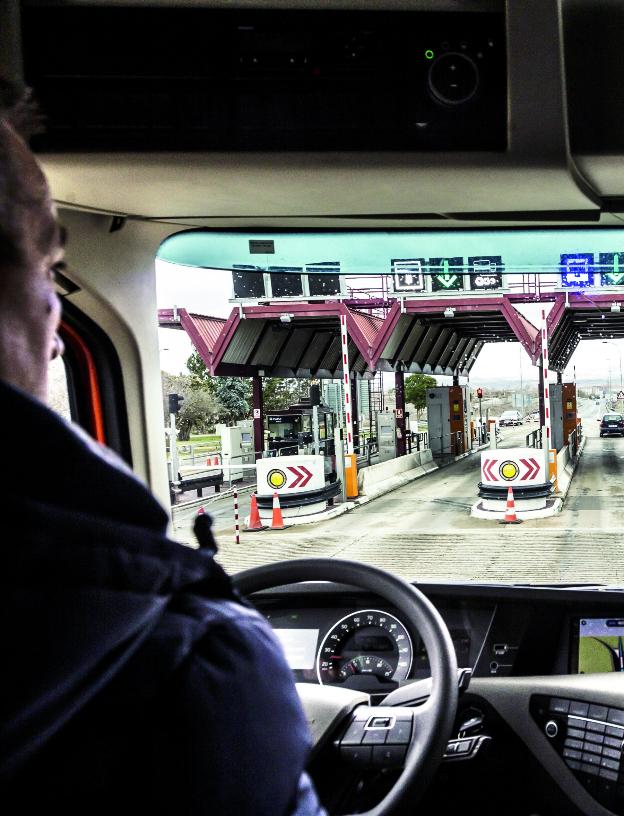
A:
577,270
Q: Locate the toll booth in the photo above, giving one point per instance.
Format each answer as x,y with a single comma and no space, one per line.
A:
562,413
231,450
302,429
247,440
386,435
448,418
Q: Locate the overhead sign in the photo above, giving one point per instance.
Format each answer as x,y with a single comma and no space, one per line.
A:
577,270
511,466
486,272
407,275
611,268
290,474
446,274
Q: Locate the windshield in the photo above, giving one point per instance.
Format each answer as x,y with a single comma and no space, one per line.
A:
340,394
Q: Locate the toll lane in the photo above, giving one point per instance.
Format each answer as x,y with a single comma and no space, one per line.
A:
424,530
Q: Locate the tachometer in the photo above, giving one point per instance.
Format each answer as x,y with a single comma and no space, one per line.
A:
368,642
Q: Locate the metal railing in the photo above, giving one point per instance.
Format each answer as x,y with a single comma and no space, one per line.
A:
534,439
574,441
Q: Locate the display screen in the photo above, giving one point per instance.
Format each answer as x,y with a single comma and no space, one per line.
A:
600,645
299,646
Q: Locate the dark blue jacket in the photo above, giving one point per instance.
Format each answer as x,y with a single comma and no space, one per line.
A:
133,678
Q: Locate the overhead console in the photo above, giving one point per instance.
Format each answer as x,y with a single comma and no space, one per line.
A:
171,79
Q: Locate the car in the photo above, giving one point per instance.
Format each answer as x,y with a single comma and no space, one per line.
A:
612,425
510,418
534,416
258,120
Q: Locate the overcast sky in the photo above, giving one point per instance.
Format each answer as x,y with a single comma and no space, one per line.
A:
208,291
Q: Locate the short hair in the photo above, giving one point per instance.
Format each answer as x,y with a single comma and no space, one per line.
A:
19,114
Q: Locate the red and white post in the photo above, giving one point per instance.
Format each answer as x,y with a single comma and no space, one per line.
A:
546,386
236,520
346,383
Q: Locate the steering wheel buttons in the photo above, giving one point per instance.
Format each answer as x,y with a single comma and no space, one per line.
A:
375,736
354,734
360,755
400,733
389,756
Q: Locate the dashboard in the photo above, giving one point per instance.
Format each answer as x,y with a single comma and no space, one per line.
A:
542,715
338,636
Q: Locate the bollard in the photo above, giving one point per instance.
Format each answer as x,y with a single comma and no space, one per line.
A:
236,523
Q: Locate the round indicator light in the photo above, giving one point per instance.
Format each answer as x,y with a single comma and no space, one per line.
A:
276,479
429,54
509,470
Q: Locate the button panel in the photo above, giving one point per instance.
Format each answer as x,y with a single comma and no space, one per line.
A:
589,739
377,737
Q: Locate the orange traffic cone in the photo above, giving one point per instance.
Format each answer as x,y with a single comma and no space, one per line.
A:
254,516
510,514
277,522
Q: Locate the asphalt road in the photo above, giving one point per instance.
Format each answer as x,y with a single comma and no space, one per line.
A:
424,530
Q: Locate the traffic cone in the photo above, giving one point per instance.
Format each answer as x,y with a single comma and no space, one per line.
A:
277,522
254,516
201,511
510,514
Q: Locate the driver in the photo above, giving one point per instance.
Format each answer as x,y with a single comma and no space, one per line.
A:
134,678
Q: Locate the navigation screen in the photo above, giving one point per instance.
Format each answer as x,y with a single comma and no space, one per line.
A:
601,645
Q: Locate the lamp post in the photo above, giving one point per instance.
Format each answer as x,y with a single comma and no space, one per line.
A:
609,343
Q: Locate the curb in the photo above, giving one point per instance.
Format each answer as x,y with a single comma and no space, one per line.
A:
224,494
556,506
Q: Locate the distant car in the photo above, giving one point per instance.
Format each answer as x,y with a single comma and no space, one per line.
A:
612,424
597,402
534,416
510,418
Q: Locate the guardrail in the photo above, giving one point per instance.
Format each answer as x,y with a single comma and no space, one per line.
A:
574,440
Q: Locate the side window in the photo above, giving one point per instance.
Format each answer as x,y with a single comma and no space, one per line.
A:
58,389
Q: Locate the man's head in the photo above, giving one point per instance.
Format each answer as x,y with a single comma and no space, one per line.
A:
30,249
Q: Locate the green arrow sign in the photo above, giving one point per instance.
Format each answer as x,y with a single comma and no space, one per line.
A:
616,261
446,279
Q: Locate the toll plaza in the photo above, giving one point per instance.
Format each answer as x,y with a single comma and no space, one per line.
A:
303,322
350,342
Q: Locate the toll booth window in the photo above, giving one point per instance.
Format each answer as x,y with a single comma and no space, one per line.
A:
286,283
248,283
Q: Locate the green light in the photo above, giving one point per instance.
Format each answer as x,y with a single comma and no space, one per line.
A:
429,54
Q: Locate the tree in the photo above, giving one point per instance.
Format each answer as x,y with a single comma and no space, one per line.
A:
416,386
198,373
279,392
199,409
234,394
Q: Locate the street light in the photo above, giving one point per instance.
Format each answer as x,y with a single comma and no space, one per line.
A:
609,343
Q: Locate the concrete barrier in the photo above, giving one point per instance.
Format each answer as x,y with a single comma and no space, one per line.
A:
370,477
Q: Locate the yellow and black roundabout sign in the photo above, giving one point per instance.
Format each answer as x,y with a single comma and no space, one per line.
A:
276,478
508,470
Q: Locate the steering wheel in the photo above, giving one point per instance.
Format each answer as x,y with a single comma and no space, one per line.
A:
332,711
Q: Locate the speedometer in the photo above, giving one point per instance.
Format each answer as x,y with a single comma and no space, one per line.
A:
368,642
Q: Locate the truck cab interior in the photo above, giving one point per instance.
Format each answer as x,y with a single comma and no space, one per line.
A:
316,116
